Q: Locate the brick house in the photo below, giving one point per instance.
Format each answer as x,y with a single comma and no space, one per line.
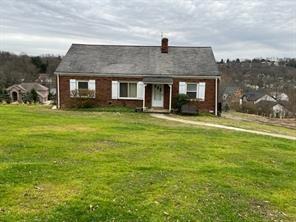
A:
146,77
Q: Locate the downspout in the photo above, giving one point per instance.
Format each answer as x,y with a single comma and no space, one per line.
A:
58,90
216,96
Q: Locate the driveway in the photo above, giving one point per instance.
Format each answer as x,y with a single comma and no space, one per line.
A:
167,117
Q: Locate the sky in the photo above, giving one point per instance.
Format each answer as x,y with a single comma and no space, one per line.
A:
233,28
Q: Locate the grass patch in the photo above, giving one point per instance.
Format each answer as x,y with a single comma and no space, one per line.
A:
124,166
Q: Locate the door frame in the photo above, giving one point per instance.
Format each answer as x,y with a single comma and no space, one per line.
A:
152,99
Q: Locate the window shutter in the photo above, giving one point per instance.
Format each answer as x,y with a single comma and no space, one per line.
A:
182,88
115,89
72,87
201,88
92,88
92,85
140,88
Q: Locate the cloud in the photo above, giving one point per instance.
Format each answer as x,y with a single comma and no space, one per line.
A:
233,28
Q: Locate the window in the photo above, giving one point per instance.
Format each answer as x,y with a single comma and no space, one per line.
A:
128,90
191,90
82,88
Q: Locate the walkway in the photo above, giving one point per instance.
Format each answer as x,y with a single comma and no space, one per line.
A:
167,117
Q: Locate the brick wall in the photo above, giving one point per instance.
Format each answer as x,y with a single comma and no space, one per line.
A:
104,92
209,103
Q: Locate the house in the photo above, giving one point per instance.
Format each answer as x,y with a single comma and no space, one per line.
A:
146,77
231,97
45,80
272,109
280,96
17,91
257,96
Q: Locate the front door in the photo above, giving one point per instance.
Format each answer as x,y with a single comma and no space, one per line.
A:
157,95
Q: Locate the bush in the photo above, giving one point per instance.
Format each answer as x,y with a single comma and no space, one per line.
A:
27,97
4,96
83,103
34,96
179,101
51,96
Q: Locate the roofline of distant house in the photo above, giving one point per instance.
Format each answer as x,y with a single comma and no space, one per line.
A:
170,46
143,75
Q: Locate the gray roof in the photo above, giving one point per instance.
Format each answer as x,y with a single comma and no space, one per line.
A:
160,80
139,60
28,86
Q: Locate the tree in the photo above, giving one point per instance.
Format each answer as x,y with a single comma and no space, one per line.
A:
34,95
27,97
4,96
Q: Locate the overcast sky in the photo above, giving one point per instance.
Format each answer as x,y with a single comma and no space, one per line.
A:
234,28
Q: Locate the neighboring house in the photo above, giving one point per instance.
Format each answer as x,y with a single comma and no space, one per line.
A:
272,109
16,91
138,76
45,80
255,97
280,96
231,94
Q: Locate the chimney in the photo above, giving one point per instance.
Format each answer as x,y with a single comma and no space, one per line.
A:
164,45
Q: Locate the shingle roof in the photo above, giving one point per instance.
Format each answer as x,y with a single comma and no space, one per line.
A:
139,60
253,96
29,86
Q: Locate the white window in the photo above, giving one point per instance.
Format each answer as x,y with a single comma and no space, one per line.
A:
191,90
83,88
127,90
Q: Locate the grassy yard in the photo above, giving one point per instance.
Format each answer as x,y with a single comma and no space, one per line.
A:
123,166
233,119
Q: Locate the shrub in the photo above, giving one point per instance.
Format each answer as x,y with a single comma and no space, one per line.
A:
83,103
27,97
34,96
4,96
179,101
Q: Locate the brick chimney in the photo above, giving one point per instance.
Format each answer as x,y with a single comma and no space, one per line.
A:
164,45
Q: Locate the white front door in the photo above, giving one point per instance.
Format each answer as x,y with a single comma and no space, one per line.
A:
157,95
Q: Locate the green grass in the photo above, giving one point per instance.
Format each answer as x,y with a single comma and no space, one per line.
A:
111,166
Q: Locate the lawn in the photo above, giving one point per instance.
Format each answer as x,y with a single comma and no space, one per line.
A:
124,166
232,119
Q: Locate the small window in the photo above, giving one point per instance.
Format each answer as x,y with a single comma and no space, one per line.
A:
191,90
82,85
128,90
83,88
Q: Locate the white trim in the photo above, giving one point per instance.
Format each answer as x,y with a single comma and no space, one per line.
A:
58,91
144,87
216,97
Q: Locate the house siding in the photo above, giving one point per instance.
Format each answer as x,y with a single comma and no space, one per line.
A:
104,92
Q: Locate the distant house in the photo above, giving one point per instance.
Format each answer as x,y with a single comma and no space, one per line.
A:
279,96
271,109
145,77
255,97
231,97
45,80
17,91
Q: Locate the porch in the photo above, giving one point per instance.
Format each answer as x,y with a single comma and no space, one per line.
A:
157,94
